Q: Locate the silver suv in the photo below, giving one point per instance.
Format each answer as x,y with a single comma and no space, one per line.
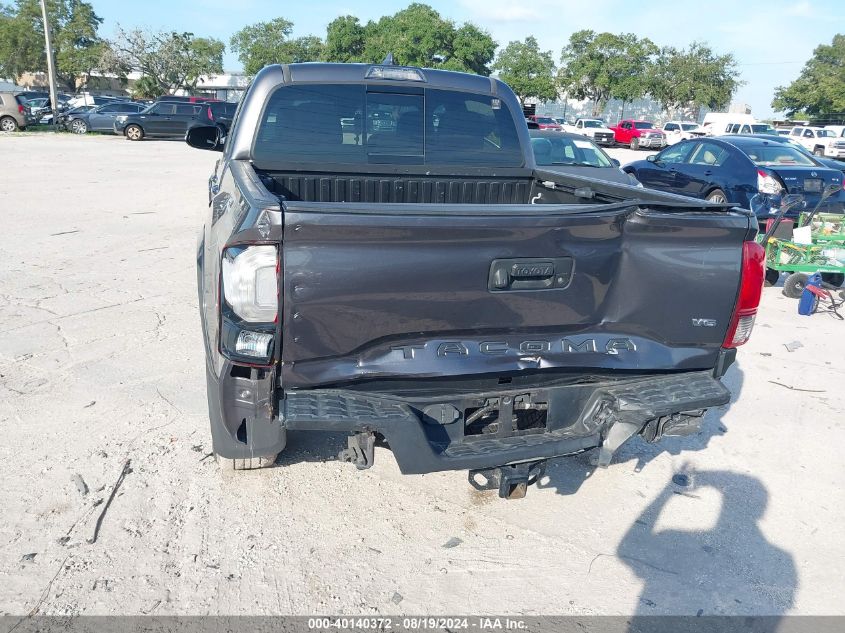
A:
13,112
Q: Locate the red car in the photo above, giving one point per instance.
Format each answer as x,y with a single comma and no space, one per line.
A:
545,122
638,134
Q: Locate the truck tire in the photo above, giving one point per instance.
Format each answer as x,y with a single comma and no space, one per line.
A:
134,132
818,150
772,276
717,195
834,279
794,284
8,124
249,463
635,143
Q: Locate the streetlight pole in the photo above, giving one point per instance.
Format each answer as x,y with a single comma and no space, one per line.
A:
51,70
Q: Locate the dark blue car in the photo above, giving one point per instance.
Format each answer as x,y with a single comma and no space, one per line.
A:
735,168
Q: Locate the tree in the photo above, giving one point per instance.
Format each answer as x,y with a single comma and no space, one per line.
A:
604,66
145,88
419,36
303,49
344,40
20,50
692,78
169,60
820,88
263,43
76,44
527,70
472,50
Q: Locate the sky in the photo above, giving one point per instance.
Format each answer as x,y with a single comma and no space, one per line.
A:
770,39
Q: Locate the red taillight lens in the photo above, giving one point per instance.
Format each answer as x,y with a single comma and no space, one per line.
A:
767,183
750,289
210,113
21,109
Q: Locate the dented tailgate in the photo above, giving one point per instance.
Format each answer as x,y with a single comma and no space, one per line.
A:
427,290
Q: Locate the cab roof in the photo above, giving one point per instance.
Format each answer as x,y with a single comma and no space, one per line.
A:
325,72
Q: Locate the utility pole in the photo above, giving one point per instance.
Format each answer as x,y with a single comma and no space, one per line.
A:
51,70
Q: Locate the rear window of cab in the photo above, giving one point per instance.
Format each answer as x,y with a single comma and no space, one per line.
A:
357,124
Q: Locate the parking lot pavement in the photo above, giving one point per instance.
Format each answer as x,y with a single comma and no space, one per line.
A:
101,362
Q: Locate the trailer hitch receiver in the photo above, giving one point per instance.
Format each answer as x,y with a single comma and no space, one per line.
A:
512,480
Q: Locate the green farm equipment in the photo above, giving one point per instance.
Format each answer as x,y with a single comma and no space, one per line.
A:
816,245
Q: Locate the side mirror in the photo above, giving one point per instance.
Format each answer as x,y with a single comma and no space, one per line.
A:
652,158
205,137
615,162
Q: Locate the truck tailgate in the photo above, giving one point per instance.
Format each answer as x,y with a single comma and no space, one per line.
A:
418,290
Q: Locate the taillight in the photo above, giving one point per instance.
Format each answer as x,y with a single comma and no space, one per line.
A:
767,183
249,310
750,289
21,109
249,282
210,113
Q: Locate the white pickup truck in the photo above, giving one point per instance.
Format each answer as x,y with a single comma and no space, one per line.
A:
820,141
681,130
593,128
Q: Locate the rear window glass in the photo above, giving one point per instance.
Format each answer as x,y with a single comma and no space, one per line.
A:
349,124
224,109
773,155
561,150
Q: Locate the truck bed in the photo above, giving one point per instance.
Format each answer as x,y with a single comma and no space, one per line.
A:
391,188
506,187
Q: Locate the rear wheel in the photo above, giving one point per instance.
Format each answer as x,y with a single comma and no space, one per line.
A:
8,124
772,276
793,285
248,463
834,279
819,151
134,132
78,126
635,143
718,196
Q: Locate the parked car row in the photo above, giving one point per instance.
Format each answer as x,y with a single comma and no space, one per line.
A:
164,118
634,133
97,113
732,169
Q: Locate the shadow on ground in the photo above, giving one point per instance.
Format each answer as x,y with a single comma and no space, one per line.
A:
567,474
730,568
311,446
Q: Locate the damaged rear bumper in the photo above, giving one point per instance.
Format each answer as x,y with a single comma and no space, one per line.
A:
512,425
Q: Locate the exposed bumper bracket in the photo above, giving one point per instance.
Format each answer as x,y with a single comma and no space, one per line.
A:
360,450
619,433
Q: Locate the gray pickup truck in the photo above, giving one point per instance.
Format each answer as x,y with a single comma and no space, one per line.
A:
382,257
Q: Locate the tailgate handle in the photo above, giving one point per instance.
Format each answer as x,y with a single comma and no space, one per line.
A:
529,274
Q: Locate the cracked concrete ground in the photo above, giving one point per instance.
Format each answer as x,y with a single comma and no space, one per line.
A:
101,361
